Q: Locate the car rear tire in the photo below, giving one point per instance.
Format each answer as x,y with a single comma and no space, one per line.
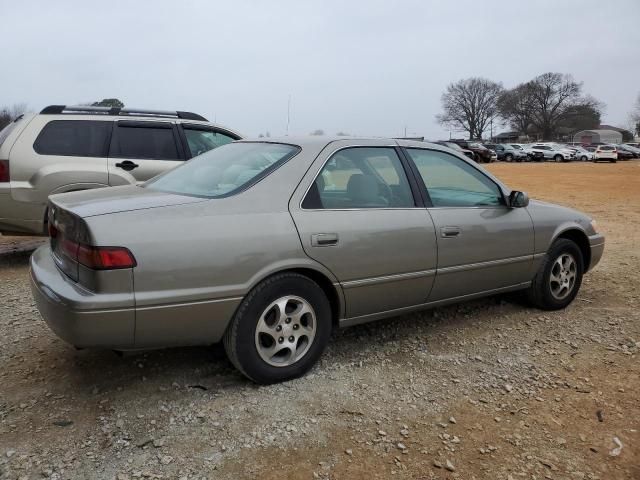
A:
280,329
559,277
508,157
583,158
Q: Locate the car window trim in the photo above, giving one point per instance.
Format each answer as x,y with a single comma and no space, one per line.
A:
209,128
424,186
417,200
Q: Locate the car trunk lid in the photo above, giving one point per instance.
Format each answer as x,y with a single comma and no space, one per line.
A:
101,201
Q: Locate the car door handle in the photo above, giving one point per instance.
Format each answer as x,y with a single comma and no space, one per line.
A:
324,239
450,232
127,165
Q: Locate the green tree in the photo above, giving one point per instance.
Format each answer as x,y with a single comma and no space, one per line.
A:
109,102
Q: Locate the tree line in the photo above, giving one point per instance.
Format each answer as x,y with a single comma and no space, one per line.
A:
548,106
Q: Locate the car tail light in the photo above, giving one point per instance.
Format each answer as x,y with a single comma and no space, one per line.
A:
105,258
95,258
4,171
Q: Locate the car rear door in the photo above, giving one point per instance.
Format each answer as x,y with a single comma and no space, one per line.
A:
483,245
360,215
141,149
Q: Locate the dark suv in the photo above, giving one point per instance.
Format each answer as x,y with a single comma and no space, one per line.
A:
481,153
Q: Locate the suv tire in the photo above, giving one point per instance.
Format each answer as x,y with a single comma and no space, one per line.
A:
272,315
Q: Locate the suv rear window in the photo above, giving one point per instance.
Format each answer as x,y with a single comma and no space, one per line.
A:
136,141
77,138
201,141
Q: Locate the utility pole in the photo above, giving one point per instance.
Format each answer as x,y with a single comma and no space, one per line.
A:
288,114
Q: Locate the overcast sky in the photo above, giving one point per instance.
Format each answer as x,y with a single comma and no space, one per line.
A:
364,67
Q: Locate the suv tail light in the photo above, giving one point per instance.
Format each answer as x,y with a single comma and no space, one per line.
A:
4,171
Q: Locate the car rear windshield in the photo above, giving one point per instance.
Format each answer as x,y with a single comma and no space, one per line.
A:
224,171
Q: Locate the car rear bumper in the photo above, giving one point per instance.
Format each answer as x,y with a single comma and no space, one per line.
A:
76,315
596,243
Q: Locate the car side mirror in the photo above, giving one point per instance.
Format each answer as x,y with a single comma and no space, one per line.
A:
518,199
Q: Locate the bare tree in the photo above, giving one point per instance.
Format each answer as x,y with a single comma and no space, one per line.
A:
515,107
549,102
554,97
470,105
9,114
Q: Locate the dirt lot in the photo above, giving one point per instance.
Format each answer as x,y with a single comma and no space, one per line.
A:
484,390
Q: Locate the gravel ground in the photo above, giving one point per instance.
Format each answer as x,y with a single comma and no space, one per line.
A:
484,390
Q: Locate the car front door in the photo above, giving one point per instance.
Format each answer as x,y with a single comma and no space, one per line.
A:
483,245
360,215
141,150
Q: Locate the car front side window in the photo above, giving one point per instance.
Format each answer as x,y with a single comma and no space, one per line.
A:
452,182
361,177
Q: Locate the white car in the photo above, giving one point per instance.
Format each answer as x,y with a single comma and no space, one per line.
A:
606,152
583,154
552,151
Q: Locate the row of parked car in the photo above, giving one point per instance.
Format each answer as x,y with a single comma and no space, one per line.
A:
543,151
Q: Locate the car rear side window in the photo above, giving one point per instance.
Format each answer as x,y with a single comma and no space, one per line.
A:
144,142
361,177
77,138
452,182
201,141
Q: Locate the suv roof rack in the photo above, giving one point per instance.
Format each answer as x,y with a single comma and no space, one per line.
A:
79,110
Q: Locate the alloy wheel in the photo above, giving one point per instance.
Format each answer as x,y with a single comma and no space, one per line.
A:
562,278
285,331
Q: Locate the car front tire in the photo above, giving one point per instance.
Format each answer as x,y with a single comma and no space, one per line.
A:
558,158
280,329
559,276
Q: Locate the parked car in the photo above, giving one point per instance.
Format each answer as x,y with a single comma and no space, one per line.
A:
288,239
455,146
481,153
633,144
583,154
552,151
65,149
626,152
507,152
632,149
605,152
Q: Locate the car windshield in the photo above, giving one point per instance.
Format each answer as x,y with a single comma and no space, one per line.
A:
225,170
517,147
475,145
